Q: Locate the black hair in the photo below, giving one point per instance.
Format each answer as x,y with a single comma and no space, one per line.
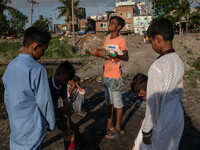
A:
120,20
161,27
36,34
76,78
66,68
139,82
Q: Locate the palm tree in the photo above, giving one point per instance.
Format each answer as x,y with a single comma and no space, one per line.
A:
183,10
66,10
195,18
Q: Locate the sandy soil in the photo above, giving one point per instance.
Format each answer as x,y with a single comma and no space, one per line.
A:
141,57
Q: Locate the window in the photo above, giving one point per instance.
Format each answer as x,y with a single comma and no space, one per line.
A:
128,15
104,25
128,26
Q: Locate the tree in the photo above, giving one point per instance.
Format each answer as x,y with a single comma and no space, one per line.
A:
195,19
4,26
43,22
3,5
165,9
183,10
17,20
66,10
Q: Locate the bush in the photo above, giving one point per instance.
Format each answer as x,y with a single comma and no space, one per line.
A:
9,50
59,49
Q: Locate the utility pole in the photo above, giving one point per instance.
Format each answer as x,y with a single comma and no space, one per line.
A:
73,35
151,7
55,29
32,2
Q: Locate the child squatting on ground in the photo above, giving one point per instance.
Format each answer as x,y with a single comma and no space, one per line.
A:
27,95
112,73
58,88
76,95
163,124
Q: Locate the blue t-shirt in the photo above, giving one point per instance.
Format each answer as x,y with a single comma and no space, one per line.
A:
57,92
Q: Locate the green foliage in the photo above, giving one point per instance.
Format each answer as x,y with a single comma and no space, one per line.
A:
163,7
195,19
189,52
9,50
3,4
4,23
17,20
59,49
66,9
189,73
185,47
196,64
43,22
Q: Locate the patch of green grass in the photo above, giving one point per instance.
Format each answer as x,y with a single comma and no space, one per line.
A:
189,73
196,64
185,47
137,47
9,50
191,78
189,52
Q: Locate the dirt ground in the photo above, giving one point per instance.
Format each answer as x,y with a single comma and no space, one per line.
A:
141,57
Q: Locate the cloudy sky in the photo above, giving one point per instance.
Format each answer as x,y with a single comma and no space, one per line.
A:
47,7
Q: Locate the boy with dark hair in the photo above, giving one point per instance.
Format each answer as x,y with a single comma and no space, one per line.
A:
27,96
58,89
112,74
58,82
139,85
163,124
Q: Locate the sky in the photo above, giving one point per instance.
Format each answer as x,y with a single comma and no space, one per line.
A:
48,7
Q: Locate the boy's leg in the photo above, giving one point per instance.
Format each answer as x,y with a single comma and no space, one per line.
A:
118,104
110,109
119,113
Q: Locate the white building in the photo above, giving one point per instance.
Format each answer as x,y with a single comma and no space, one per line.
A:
124,3
141,24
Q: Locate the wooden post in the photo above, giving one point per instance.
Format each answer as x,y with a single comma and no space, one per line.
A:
31,13
73,34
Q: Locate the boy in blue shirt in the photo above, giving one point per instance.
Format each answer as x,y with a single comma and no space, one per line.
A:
27,95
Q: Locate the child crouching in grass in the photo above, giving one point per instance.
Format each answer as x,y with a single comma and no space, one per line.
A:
76,95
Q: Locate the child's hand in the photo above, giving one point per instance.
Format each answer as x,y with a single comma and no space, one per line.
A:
87,50
111,55
146,140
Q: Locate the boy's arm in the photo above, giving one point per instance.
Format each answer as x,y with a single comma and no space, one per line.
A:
78,86
72,88
124,49
154,93
124,57
43,95
80,89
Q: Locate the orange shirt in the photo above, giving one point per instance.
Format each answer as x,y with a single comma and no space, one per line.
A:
112,68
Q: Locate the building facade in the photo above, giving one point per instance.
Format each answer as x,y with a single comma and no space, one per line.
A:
141,24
